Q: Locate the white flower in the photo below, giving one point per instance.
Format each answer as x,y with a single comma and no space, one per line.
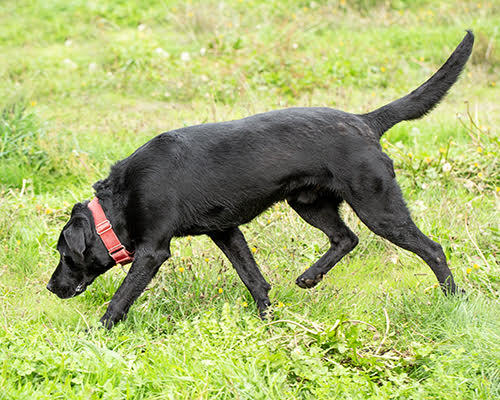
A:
446,167
70,64
68,43
185,56
92,67
424,186
469,184
162,52
420,205
295,46
203,51
141,27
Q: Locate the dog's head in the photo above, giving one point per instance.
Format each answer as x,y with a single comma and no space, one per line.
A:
83,255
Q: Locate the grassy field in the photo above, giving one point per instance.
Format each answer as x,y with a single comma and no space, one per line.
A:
84,83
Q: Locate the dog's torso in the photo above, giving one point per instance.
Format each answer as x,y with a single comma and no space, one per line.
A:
215,176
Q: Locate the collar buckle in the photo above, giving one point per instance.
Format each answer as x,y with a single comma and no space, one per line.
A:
103,227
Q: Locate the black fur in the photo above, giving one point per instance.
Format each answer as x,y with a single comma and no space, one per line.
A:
211,178
423,99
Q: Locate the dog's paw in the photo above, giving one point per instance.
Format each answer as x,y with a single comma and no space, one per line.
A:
107,322
265,312
460,292
308,280
110,319
266,315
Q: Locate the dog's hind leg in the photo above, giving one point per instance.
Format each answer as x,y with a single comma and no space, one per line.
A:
234,246
323,214
384,212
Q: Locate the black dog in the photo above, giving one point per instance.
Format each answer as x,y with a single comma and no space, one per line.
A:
211,178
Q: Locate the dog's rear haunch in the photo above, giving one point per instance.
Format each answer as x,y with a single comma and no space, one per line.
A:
211,178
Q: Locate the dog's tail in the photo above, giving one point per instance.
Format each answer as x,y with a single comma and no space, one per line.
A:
424,98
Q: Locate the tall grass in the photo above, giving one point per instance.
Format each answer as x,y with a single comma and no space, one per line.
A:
20,152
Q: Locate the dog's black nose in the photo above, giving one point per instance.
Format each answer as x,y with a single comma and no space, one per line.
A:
50,287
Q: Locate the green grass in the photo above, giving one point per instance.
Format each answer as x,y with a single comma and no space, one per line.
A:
84,83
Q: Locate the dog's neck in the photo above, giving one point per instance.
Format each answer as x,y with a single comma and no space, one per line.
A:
116,216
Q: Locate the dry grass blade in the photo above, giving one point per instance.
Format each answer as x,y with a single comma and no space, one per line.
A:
474,243
387,325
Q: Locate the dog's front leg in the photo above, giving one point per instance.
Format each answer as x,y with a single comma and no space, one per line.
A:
144,268
234,246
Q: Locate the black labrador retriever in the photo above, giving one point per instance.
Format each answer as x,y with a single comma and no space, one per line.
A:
211,178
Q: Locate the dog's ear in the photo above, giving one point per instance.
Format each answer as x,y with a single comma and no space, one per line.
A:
74,234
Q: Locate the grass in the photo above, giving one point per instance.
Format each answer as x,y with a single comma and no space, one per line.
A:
84,83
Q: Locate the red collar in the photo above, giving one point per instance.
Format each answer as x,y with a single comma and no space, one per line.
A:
104,229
